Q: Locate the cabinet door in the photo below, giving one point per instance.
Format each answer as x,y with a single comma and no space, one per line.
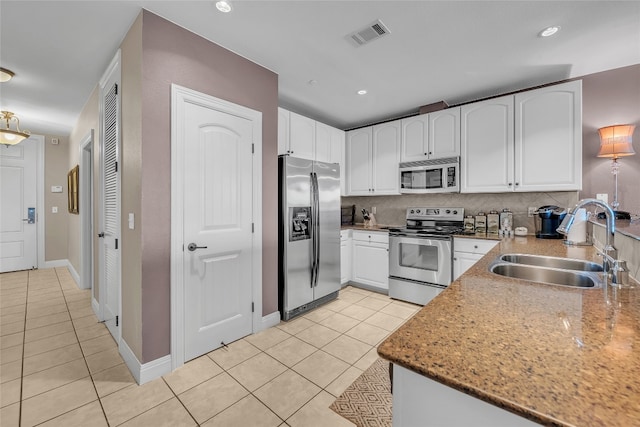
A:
323,143
345,261
283,131
359,154
548,138
415,139
386,157
337,156
444,133
371,264
462,261
487,146
302,136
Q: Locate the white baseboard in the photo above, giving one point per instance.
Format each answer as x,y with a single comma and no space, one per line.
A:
270,320
74,274
147,372
56,263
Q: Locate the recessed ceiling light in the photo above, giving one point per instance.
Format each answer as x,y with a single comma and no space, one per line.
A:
223,6
5,75
362,92
549,31
312,82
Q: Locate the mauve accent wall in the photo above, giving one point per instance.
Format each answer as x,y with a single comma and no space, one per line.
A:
172,54
608,98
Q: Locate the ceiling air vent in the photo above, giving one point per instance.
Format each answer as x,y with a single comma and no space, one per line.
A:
371,32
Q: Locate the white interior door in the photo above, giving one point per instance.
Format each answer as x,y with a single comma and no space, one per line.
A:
18,194
110,234
217,219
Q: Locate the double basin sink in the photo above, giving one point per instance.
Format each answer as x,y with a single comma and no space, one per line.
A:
550,270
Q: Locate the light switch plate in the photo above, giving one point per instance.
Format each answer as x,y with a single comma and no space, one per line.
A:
56,188
131,221
54,209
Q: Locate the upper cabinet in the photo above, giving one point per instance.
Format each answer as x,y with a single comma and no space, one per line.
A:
548,138
486,160
531,141
372,158
306,138
431,136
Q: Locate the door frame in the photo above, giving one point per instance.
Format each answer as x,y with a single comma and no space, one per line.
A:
86,212
180,96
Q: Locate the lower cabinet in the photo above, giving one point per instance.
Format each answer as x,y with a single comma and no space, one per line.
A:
345,256
466,252
371,259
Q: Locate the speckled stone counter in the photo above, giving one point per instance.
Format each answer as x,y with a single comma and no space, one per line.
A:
553,354
379,227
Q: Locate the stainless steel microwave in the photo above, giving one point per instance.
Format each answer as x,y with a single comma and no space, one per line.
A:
431,176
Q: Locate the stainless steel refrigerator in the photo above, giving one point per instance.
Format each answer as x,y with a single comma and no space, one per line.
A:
309,237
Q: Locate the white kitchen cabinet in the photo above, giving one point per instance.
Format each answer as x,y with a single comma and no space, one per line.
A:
466,252
372,158
283,131
359,154
531,141
444,133
330,149
417,398
345,256
420,143
548,138
302,136
371,259
486,159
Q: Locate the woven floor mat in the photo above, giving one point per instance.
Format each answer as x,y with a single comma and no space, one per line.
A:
367,402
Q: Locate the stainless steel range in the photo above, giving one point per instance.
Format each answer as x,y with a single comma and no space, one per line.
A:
420,255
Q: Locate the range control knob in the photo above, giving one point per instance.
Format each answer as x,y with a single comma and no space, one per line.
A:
412,211
448,211
455,212
417,210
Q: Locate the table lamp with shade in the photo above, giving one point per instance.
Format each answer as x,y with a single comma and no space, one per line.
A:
615,142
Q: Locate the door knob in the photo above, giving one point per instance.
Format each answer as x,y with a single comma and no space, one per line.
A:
192,247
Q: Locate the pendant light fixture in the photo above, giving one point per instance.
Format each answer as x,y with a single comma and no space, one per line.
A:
10,136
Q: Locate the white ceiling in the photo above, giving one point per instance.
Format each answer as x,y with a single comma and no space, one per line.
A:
456,51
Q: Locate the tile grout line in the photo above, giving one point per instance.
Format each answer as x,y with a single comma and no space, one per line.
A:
24,336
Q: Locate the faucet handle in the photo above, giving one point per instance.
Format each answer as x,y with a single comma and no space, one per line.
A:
620,273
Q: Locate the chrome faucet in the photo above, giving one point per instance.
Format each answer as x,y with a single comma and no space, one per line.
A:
610,263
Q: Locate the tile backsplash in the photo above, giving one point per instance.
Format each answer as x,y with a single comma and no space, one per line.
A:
391,210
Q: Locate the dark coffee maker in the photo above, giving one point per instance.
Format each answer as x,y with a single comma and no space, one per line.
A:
548,220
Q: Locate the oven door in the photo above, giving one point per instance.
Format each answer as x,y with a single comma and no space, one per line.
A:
423,259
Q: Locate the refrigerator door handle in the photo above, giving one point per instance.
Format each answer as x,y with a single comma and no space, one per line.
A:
316,226
313,230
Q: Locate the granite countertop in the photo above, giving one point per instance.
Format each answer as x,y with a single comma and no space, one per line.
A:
556,355
379,227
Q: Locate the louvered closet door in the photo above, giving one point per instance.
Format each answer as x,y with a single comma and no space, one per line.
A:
110,291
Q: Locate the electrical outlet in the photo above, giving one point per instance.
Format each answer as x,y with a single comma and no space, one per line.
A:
531,211
603,196
54,209
374,210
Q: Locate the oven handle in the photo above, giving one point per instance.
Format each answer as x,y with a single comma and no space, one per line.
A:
417,236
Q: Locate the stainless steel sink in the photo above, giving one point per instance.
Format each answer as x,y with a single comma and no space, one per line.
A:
551,262
553,276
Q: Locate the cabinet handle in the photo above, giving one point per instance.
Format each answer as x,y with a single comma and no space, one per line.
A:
430,153
455,259
475,247
517,183
509,184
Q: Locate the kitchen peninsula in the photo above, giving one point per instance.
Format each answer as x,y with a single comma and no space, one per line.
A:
552,355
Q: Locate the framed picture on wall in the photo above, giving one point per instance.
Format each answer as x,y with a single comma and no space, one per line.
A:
72,185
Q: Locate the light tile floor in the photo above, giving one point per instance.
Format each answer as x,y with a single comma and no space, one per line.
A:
60,367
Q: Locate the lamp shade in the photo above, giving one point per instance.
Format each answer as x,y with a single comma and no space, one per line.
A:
615,141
